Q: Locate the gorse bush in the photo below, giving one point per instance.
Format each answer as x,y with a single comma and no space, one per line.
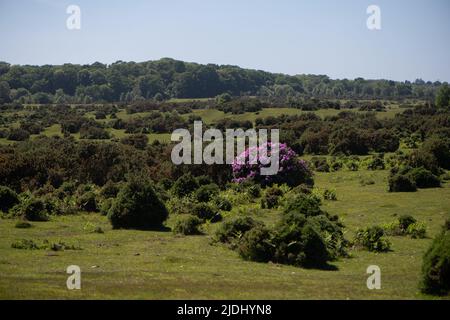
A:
372,239
34,210
401,183
309,205
424,178
137,207
8,198
271,197
223,204
187,225
205,211
185,185
256,245
207,192
87,202
436,266
229,231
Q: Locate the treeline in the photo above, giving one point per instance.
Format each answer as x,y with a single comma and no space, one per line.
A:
167,78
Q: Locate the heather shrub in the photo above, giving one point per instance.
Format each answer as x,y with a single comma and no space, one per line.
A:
187,225
137,207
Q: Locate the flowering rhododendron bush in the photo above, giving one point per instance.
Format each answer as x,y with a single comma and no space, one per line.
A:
292,170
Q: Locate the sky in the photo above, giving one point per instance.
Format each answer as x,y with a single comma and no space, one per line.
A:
284,36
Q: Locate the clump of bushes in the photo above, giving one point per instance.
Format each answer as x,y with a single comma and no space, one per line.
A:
436,265
137,207
187,225
372,239
29,244
408,179
8,199
406,225
305,236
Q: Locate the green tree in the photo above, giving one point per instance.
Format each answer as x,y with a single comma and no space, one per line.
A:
443,97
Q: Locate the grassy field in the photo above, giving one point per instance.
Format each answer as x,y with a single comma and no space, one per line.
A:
160,265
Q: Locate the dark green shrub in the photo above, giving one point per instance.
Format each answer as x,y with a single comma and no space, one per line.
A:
205,211
424,178
187,225
207,192
320,164
405,221
372,239
271,197
256,245
401,183
436,266
87,202
254,191
109,190
185,185
8,199
376,163
34,210
229,231
300,241
137,207
309,205
223,204
204,180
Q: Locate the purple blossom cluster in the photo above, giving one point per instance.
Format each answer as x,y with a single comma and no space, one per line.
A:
292,171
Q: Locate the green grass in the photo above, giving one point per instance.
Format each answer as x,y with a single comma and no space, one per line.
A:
160,265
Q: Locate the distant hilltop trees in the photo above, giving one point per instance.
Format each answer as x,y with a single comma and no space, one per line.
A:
167,78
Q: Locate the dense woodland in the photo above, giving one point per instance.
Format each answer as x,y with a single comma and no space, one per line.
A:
168,78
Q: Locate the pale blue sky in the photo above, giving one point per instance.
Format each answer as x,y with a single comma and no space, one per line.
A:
288,36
